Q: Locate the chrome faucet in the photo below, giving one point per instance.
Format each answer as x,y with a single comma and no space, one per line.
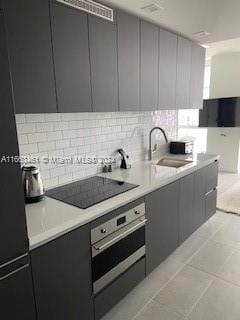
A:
150,151
124,161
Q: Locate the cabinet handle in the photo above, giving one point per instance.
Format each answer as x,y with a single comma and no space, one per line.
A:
209,192
14,260
119,237
15,271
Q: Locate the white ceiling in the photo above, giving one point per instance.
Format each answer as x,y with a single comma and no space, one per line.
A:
221,47
220,18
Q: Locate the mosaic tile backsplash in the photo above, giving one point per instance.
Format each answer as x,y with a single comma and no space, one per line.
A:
88,135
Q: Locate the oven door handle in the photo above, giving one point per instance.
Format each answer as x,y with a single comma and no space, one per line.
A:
120,236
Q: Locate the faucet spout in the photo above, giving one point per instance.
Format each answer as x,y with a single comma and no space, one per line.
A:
150,151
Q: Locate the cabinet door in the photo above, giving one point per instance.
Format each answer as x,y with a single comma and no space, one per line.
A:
30,51
149,66
162,230
200,177
167,70
183,73
128,61
103,56
71,58
62,277
197,76
16,296
186,206
12,213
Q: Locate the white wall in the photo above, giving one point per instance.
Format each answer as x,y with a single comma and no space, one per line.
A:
225,82
225,142
225,75
88,134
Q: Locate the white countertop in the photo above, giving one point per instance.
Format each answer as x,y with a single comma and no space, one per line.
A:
49,219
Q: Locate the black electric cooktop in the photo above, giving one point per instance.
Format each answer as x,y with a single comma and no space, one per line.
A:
88,192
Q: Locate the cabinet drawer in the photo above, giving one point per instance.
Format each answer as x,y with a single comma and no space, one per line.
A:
16,293
106,299
211,201
212,176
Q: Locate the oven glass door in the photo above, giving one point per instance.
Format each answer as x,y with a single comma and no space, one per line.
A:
117,258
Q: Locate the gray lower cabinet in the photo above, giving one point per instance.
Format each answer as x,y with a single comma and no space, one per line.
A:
212,176
186,207
167,69
62,277
162,230
199,204
30,53
211,189
198,194
128,61
61,269
197,76
211,200
103,58
149,66
184,55
71,58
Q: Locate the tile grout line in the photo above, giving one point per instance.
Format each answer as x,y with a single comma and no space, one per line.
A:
206,241
169,280
217,276
155,294
198,300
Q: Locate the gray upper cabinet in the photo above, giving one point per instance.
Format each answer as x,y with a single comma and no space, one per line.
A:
162,229
103,57
167,70
128,61
71,58
149,66
183,73
65,60
197,76
30,52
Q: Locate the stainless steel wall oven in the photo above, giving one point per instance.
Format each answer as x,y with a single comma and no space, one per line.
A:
116,245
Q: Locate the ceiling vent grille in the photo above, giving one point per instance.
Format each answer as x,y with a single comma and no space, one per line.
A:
92,7
151,8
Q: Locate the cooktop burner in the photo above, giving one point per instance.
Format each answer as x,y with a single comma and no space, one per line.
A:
88,192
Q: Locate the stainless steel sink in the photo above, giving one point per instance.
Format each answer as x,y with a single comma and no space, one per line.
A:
173,163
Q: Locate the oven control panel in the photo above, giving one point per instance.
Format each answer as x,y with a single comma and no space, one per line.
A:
116,223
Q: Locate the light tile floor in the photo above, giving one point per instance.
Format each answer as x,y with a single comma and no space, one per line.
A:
199,281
